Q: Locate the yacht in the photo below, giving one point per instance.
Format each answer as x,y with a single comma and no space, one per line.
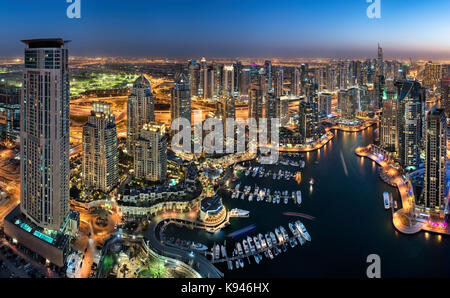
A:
387,203
243,196
301,228
230,265
279,235
301,240
217,251
262,240
274,239
239,248
245,244
241,263
250,197
311,181
269,252
250,243
268,240
224,251
237,187
199,246
239,213
284,233
256,259
237,264
257,243
299,197
293,229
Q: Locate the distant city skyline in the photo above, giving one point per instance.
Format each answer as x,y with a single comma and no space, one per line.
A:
254,29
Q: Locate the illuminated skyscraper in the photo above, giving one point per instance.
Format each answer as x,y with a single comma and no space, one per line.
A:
279,82
44,135
445,95
255,104
325,104
307,120
228,81
411,112
100,156
268,69
150,157
295,82
389,122
180,106
432,75
435,161
140,109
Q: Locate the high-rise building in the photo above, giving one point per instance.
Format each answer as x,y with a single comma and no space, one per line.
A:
389,122
268,71
140,109
380,65
100,155
307,120
194,77
228,81
279,82
180,106
410,121
445,95
432,75
435,161
325,104
284,110
255,104
150,156
295,82
44,135
349,104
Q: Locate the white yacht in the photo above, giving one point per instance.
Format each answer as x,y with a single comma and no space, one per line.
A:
387,202
299,197
301,228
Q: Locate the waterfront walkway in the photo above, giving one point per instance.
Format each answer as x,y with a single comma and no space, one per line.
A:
329,136
199,263
402,219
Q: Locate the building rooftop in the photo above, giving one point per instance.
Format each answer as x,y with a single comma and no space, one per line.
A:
45,43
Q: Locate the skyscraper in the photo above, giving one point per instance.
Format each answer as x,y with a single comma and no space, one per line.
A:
410,122
389,122
100,155
307,120
445,95
279,82
140,109
432,75
228,80
150,156
180,106
435,161
325,104
295,82
255,104
44,135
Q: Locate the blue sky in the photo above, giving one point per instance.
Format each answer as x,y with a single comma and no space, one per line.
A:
232,28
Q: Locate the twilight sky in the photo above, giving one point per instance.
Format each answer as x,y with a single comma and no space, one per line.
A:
232,28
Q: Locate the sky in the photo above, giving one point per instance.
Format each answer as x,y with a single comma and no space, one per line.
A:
232,28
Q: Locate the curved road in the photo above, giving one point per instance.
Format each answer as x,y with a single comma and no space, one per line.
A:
200,263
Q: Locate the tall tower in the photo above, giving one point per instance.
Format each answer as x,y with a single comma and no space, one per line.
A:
255,104
435,160
150,156
389,122
295,82
140,110
44,134
445,95
180,106
100,156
